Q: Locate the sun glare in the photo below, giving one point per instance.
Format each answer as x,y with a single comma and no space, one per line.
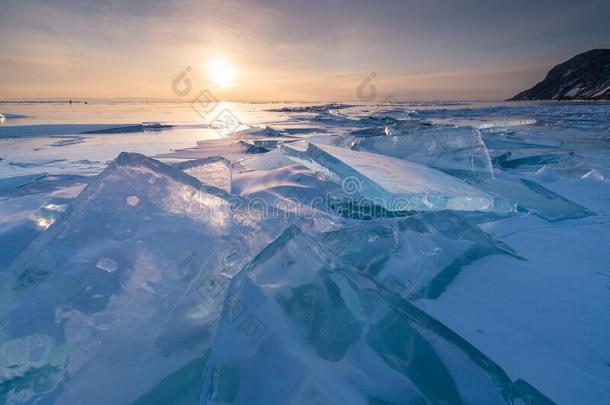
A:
221,72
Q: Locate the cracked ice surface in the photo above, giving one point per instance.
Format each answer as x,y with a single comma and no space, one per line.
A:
269,267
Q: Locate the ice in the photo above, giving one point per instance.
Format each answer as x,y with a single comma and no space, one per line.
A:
394,184
24,209
594,175
267,131
292,182
126,287
293,190
395,127
507,123
63,129
180,387
311,108
107,264
262,145
513,141
230,148
13,116
66,141
508,309
299,326
18,181
268,161
556,159
460,151
214,171
416,257
115,294
536,198
155,126
21,356
547,174
144,126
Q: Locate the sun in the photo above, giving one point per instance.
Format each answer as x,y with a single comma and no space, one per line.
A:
221,72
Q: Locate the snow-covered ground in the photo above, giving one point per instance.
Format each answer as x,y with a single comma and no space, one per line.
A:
303,253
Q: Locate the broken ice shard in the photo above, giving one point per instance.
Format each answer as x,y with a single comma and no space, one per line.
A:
417,256
214,171
536,198
302,327
12,183
267,161
507,123
510,140
394,184
561,159
459,151
126,287
388,127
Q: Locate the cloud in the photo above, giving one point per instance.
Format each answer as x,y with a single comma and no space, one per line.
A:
303,50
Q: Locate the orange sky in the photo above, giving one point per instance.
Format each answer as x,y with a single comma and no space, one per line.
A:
465,49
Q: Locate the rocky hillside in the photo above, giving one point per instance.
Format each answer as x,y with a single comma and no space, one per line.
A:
584,77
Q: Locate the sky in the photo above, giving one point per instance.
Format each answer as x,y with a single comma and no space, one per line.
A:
291,50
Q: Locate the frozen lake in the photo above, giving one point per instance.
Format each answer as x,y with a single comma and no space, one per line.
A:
444,251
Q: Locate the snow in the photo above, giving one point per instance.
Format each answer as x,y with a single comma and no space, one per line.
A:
270,266
602,92
574,91
544,319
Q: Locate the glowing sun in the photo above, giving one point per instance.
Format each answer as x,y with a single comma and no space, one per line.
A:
221,72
